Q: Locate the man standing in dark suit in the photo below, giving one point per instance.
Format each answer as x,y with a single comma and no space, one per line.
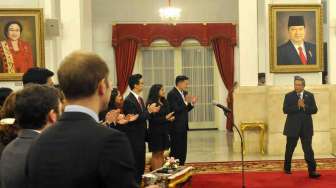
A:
136,131
299,105
296,51
78,152
180,103
45,103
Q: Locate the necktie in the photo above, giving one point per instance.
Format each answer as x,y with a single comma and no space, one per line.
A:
141,102
302,56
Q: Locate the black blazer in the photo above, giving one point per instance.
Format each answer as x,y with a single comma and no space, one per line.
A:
158,122
79,153
13,159
137,129
181,110
298,118
287,54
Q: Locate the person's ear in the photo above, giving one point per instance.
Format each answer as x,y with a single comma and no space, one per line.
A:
102,87
52,117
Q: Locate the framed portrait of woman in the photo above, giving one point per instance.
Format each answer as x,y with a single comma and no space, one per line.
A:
296,38
21,42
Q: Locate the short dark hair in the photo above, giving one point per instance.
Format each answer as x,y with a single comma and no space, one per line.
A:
9,24
33,105
180,78
134,80
299,78
80,74
4,92
36,75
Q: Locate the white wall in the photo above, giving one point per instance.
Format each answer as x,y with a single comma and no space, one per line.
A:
248,43
331,30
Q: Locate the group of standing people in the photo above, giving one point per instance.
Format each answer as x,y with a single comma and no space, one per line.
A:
167,120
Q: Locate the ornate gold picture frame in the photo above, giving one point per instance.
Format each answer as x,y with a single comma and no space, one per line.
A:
296,38
21,42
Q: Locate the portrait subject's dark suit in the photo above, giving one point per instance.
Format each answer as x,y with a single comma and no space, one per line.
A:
288,55
180,126
13,159
136,131
299,124
77,152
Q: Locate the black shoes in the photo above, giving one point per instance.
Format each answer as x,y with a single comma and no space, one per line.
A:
286,171
314,175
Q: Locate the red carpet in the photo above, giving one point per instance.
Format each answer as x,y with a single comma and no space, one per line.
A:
264,180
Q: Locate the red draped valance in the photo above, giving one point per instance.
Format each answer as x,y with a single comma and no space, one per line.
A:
145,34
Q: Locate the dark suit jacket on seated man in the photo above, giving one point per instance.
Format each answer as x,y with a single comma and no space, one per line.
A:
78,152
46,104
296,51
299,105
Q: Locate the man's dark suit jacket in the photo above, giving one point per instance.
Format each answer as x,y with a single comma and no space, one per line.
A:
299,121
136,129
136,132
13,159
79,153
287,54
181,110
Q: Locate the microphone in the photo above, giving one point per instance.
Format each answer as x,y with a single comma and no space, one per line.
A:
226,109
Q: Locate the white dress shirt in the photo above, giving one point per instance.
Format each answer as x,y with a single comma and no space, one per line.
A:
136,95
303,49
181,93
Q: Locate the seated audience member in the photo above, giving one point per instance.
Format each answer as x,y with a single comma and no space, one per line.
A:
8,129
77,152
159,126
36,75
113,116
36,108
4,92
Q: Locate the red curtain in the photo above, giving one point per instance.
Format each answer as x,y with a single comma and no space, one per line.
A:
125,54
224,52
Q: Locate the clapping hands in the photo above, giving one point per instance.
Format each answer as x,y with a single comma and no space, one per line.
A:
191,99
301,103
132,117
123,120
114,116
170,116
153,108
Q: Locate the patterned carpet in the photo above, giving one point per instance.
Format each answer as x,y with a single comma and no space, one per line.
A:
259,166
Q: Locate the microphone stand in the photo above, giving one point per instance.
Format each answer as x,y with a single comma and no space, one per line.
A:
241,150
